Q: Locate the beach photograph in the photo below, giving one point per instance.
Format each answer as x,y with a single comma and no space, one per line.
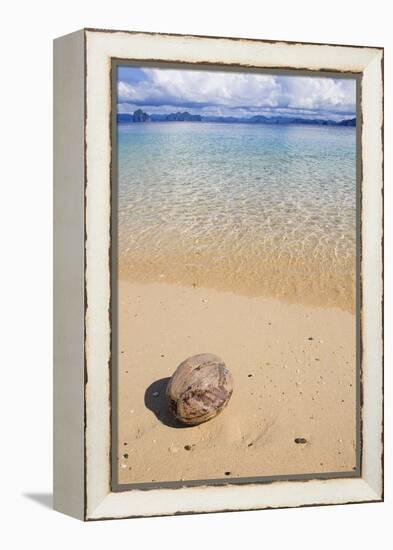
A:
235,274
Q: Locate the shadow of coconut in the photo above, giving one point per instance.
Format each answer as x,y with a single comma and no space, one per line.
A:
156,401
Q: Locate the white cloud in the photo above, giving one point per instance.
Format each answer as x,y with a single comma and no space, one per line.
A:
238,91
319,93
232,89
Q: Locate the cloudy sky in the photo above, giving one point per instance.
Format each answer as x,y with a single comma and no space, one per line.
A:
234,94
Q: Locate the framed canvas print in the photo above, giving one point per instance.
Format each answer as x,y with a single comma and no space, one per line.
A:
218,274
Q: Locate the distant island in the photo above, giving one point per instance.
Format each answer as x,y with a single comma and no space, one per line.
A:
140,116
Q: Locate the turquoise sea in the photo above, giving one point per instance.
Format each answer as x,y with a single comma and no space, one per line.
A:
257,209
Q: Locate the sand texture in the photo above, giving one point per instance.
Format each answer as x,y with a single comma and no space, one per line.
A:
293,408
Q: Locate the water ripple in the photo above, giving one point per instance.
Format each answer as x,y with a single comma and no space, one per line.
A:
258,209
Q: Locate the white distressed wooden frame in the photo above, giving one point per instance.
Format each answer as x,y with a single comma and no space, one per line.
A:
82,103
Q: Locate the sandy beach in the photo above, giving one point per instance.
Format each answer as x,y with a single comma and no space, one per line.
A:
236,237
294,401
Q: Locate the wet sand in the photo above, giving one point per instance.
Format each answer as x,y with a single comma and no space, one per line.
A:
293,409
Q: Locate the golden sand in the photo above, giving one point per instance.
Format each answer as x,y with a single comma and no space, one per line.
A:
294,380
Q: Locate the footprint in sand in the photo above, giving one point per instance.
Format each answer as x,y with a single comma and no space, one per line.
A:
260,435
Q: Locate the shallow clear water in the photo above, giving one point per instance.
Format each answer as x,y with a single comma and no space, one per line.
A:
257,209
